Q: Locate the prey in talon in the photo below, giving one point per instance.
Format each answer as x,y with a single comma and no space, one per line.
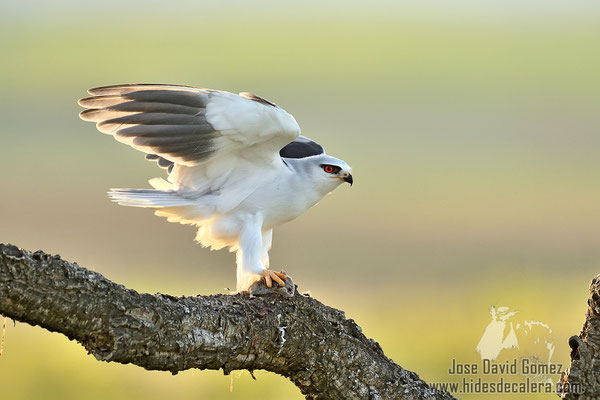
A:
237,166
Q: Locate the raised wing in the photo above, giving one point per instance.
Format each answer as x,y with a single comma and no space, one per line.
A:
190,126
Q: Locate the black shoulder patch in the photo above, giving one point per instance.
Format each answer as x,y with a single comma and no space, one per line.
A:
300,148
252,96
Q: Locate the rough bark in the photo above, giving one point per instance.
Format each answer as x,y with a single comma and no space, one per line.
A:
582,380
324,354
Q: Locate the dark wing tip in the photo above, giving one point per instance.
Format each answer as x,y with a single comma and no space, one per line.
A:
119,88
84,115
162,162
85,102
252,96
103,89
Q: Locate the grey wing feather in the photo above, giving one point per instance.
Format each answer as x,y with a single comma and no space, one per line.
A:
171,122
162,162
181,97
99,106
131,87
166,121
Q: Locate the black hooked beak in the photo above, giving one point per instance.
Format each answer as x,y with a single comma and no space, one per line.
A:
349,179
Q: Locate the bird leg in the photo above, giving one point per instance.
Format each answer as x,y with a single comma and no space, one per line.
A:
270,276
253,256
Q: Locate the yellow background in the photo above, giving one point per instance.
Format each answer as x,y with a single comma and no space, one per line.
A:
471,127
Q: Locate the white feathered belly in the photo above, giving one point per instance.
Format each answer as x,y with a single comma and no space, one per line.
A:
274,204
279,203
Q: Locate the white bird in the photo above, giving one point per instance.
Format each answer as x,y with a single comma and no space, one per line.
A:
237,165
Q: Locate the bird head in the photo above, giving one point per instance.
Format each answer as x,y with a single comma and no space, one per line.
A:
329,172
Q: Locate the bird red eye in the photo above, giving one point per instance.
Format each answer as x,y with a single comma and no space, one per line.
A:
328,169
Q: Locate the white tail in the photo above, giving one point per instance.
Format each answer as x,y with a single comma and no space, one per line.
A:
150,198
167,203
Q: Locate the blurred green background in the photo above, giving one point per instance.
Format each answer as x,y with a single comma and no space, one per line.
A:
472,129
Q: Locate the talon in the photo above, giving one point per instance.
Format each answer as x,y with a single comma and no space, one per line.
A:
277,279
281,275
270,276
268,280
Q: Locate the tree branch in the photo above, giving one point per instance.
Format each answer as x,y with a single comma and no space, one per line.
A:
313,345
582,379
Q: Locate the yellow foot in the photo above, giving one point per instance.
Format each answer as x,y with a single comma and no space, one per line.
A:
270,276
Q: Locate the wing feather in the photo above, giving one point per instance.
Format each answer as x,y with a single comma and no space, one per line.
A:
190,126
